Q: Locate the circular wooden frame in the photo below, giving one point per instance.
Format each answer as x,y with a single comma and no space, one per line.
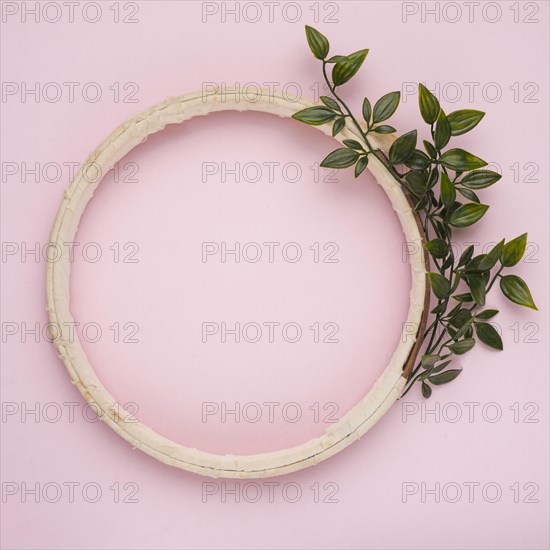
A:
387,388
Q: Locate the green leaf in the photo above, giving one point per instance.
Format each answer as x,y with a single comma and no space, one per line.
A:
461,317
421,204
338,126
428,103
489,260
386,106
341,158
467,214
513,251
384,129
430,149
469,194
440,285
426,390
488,335
440,367
317,42
453,311
452,332
337,58
477,288
367,110
464,120
329,102
448,191
352,144
516,290
487,314
361,165
466,297
460,160
417,183
442,131
418,160
480,179
464,329
428,361
444,377
438,248
433,178
466,256
440,308
346,70
315,116
446,264
402,148
463,346
474,265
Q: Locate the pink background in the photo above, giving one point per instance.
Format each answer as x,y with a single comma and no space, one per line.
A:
372,494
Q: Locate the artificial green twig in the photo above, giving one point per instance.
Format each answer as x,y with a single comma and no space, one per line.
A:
434,193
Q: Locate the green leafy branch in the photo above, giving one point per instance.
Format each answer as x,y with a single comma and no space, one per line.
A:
434,178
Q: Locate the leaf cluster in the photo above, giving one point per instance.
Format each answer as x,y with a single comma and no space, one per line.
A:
444,183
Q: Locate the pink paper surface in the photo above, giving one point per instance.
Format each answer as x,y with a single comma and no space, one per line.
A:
155,299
